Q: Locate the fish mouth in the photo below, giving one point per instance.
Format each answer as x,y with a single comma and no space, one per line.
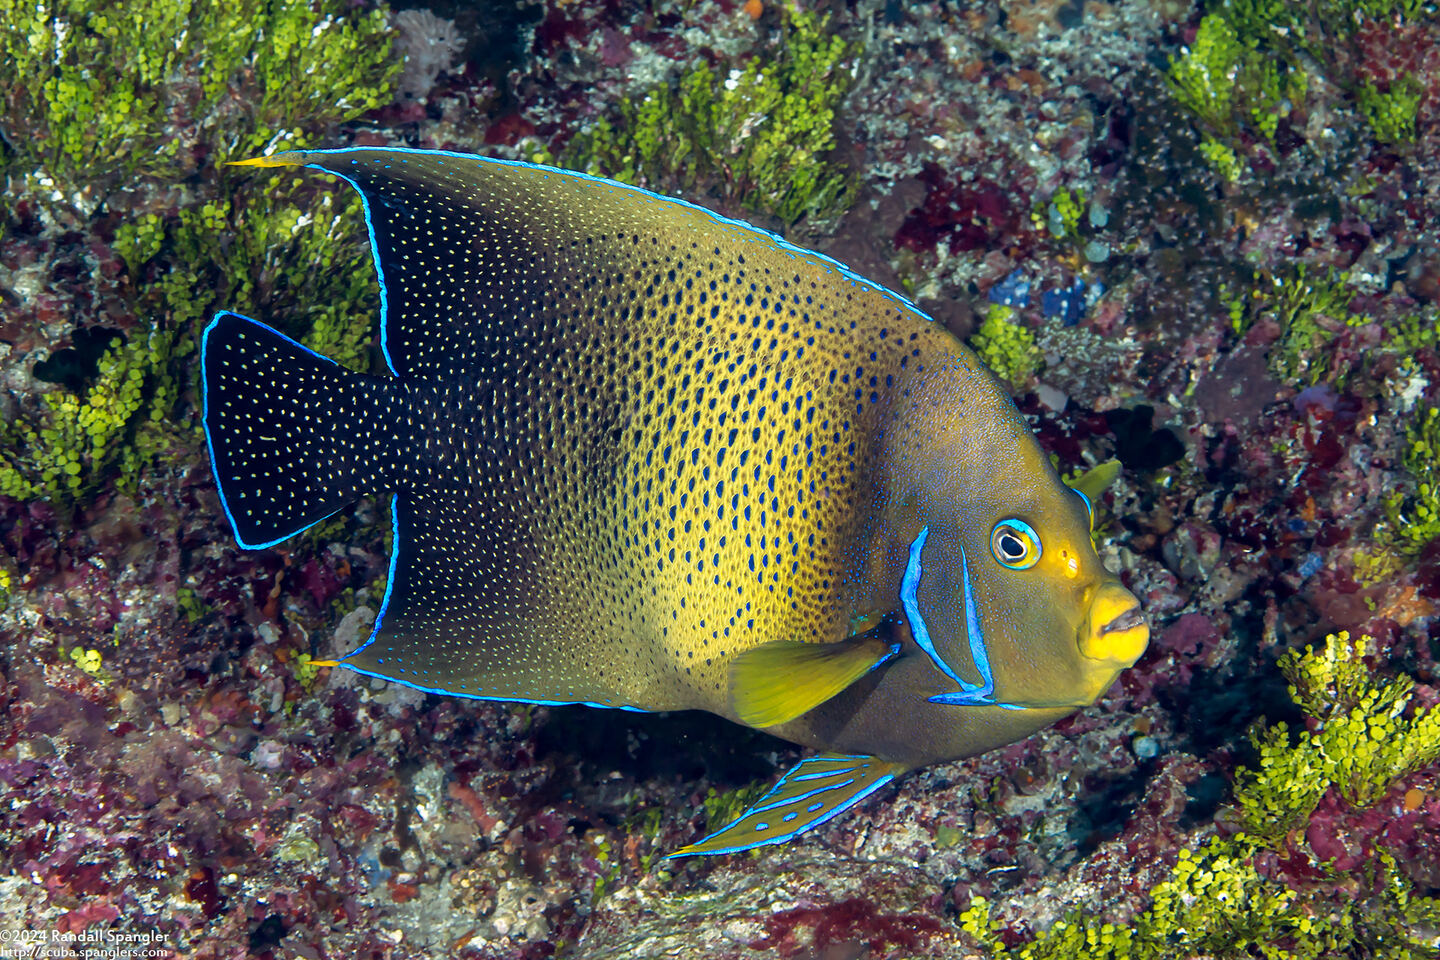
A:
1114,629
1128,620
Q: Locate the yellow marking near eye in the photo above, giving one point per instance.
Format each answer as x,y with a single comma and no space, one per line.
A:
1071,564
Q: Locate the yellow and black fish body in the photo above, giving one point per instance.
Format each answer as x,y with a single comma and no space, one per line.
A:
646,457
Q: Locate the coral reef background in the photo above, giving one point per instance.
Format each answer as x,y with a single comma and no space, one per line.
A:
1199,238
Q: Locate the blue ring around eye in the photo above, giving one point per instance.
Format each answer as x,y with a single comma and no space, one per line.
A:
1021,531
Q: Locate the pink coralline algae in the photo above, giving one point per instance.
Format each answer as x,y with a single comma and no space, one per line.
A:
964,215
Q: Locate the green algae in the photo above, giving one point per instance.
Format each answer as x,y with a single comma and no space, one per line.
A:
191,606
90,661
95,97
1413,515
1393,112
1227,83
1217,901
722,807
286,241
1203,79
1007,347
1064,211
297,846
1313,28
1249,68
1364,740
93,101
763,132
63,453
303,667
283,248
1309,308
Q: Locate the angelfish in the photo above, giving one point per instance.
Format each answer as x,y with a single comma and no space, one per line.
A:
642,456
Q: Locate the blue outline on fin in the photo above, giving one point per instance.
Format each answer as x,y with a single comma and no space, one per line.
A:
761,808
374,253
389,587
765,235
790,835
380,619
824,773
1089,507
210,442
894,652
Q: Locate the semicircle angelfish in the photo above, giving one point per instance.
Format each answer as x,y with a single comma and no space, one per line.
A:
645,457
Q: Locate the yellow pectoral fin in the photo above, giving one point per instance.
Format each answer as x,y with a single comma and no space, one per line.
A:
779,681
1096,479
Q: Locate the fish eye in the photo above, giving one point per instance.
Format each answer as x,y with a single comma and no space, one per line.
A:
1015,544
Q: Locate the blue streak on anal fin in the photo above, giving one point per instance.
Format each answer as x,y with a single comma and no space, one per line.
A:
816,790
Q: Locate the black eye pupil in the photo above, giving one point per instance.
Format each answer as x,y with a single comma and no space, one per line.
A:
1011,547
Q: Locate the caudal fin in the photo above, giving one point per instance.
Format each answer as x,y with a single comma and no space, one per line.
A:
275,421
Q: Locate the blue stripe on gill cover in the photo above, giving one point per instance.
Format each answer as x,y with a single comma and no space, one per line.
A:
970,693
396,540
812,792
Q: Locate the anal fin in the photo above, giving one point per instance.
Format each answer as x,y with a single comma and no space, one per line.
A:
814,791
777,682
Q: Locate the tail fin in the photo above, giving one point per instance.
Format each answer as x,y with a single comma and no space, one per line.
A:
273,422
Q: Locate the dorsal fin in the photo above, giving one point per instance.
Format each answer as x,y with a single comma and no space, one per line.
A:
478,256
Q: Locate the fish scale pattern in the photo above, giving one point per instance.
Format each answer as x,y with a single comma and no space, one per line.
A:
666,425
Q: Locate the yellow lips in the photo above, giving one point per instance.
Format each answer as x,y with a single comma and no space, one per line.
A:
1114,629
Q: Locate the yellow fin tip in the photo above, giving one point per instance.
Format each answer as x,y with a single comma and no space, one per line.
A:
275,160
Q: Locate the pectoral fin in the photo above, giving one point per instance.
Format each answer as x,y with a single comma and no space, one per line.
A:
779,681
814,791
1094,481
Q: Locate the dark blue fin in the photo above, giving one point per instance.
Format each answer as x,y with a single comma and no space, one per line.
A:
814,791
283,427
